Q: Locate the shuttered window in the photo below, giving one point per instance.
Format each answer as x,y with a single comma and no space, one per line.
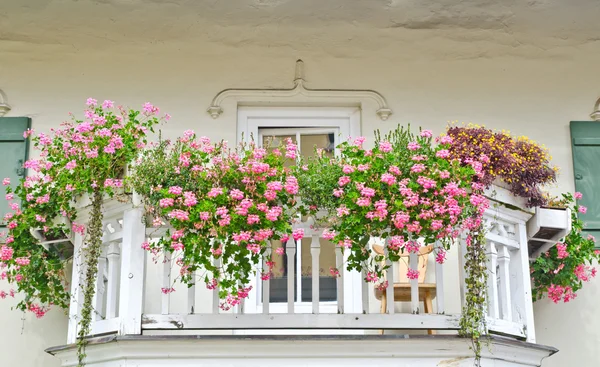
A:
13,152
585,140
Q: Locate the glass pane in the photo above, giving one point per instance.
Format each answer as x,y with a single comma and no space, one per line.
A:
308,143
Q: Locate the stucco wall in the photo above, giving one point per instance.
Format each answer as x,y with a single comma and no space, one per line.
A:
530,83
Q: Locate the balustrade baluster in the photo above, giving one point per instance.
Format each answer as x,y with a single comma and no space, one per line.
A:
492,292
290,250
266,284
216,299
339,261
439,282
166,281
315,251
365,292
389,292
192,295
414,283
114,269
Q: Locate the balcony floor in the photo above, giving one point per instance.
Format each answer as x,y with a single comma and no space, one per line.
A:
301,350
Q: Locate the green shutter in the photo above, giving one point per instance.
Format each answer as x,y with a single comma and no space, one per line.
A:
585,140
13,152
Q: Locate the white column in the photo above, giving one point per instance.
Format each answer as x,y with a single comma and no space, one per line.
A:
133,262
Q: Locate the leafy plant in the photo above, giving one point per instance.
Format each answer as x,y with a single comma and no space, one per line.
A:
518,161
561,271
224,208
83,157
406,190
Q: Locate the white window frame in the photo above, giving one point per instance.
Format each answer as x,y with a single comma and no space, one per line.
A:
346,120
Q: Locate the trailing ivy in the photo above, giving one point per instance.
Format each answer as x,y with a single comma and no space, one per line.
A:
472,322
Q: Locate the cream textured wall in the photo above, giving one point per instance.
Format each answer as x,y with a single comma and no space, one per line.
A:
529,68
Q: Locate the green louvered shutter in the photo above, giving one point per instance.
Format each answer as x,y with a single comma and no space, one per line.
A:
585,140
13,152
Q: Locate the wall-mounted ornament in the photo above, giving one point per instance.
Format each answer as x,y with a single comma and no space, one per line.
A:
4,106
299,90
595,115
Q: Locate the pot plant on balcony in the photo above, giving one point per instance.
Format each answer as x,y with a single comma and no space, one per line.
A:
517,163
83,157
406,189
561,271
223,206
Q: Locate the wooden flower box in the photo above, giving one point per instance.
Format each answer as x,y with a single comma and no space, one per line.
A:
546,228
62,243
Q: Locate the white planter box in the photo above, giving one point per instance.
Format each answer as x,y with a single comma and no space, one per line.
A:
63,245
546,228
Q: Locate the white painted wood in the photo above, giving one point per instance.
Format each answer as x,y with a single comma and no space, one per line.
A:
215,293
439,283
505,327
414,284
133,262
522,298
76,288
290,250
301,321
101,280
266,284
504,283
114,270
166,284
105,326
315,251
390,277
492,285
339,262
251,119
462,253
365,292
191,301
302,351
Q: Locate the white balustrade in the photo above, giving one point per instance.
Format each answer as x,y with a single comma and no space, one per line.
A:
122,270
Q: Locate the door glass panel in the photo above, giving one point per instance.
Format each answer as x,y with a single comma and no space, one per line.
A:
309,140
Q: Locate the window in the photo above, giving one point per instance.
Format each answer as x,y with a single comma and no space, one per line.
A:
13,150
585,140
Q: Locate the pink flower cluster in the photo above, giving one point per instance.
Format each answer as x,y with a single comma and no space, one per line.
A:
242,204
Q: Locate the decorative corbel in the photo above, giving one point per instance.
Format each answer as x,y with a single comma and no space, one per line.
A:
595,115
259,94
4,106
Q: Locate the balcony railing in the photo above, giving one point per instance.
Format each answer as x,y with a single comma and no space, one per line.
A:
129,300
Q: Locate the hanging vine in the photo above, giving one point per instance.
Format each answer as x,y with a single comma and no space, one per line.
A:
472,322
92,253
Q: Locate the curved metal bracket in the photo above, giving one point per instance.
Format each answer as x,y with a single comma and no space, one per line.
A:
215,109
4,106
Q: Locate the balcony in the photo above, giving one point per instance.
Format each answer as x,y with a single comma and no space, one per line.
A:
135,321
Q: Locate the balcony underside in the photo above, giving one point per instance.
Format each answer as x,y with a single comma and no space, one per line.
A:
339,350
